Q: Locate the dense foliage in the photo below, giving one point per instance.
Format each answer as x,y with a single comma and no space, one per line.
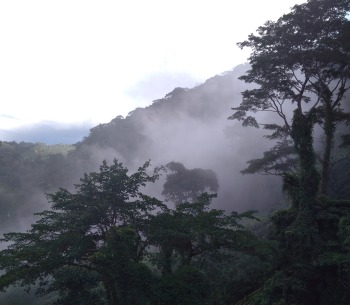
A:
106,240
302,61
25,169
108,243
184,185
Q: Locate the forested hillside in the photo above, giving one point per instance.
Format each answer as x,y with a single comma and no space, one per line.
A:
236,191
187,125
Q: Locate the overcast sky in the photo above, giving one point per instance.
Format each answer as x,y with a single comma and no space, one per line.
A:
85,62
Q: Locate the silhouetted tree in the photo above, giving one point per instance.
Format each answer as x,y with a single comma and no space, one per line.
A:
99,229
301,66
184,184
299,62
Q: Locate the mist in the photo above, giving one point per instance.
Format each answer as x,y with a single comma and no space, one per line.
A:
187,125
46,132
190,126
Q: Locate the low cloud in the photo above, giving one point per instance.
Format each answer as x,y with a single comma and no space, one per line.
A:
47,132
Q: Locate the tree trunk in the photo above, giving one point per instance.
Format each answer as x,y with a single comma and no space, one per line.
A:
303,142
326,162
167,256
111,293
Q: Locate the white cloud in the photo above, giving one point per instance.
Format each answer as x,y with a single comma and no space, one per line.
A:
77,61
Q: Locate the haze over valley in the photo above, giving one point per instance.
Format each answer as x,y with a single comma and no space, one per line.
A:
142,162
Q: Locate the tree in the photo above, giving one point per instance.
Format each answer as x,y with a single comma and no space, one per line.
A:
300,62
193,232
96,245
186,286
184,184
301,66
194,247
98,229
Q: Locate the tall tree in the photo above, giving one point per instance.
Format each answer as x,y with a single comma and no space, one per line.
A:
99,228
300,62
183,185
300,65
91,247
191,231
